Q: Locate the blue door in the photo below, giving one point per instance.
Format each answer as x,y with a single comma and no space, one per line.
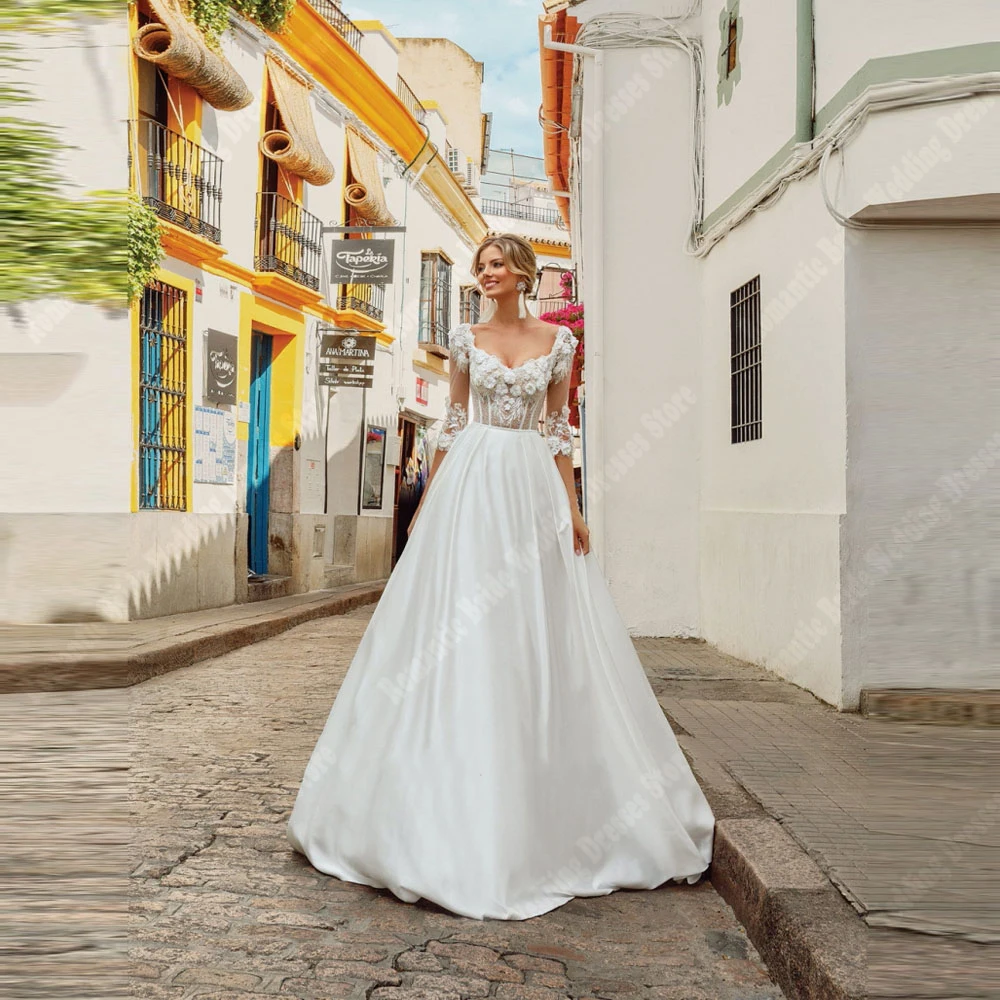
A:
259,451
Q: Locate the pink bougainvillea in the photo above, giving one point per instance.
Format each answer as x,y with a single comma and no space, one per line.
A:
570,315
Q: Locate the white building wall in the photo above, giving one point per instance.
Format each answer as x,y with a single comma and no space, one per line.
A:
911,160
380,52
771,508
741,136
920,582
850,32
651,317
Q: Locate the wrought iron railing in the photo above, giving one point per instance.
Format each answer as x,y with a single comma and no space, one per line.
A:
332,14
408,98
289,240
367,299
178,179
512,210
552,304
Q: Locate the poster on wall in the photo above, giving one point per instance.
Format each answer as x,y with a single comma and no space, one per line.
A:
214,446
371,486
313,496
220,367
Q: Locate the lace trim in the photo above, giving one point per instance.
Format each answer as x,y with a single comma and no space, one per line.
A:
459,346
558,433
455,420
564,350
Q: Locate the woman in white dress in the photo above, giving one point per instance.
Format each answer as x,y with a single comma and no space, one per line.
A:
495,746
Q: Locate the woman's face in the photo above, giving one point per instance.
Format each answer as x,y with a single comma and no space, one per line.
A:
492,274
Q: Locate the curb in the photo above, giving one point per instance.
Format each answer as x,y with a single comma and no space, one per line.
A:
812,941
116,669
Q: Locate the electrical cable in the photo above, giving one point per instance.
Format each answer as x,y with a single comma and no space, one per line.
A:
613,31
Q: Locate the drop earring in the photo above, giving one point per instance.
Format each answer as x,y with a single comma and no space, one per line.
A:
522,306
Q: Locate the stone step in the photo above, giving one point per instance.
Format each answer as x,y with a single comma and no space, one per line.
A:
977,709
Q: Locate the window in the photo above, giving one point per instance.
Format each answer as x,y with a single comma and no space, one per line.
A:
435,301
163,359
744,362
731,48
470,301
731,27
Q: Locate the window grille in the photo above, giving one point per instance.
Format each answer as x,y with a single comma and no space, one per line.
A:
435,299
163,431
470,304
744,337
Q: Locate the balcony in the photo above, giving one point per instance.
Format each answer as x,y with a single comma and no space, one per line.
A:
409,99
179,180
366,299
289,240
333,15
528,213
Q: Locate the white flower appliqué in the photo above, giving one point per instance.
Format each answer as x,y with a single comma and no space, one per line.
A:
455,419
558,433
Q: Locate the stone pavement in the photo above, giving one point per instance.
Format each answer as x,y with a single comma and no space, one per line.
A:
220,907
903,819
88,655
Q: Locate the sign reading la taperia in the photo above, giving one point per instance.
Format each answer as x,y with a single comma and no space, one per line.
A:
362,262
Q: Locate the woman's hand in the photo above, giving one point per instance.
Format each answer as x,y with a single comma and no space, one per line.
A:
581,534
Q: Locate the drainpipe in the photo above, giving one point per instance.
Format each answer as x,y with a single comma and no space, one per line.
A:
595,303
805,72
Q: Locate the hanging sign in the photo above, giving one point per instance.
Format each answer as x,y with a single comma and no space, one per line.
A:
346,359
220,367
362,262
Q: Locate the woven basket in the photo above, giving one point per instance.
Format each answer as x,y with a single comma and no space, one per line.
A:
366,193
179,47
296,146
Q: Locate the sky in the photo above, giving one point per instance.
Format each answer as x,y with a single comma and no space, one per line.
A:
502,34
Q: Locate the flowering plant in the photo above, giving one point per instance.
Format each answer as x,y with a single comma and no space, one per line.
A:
570,315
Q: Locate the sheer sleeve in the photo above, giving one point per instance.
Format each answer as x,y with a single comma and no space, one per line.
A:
456,410
558,433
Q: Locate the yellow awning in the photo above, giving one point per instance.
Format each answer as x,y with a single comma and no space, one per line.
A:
177,45
296,146
366,193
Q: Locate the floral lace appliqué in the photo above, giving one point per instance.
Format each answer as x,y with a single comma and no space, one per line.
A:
455,419
558,434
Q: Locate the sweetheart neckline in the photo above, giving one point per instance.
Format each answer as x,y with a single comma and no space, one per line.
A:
514,368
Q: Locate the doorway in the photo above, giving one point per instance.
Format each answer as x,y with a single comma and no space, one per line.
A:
259,452
411,476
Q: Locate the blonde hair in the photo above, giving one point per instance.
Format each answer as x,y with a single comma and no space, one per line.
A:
518,256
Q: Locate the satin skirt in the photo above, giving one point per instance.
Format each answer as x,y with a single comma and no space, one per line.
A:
496,747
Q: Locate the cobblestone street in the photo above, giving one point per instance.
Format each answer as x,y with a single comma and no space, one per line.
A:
222,908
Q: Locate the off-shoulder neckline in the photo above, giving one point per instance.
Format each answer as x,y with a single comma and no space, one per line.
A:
542,357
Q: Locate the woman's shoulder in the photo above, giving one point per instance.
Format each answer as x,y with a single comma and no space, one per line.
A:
460,341
561,334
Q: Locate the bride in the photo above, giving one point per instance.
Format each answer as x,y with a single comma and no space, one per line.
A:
496,747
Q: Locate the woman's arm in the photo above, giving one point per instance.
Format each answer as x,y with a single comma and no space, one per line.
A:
559,436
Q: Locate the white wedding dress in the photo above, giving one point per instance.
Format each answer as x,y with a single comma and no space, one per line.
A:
495,746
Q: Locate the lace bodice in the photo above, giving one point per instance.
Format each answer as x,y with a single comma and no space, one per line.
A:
510,397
